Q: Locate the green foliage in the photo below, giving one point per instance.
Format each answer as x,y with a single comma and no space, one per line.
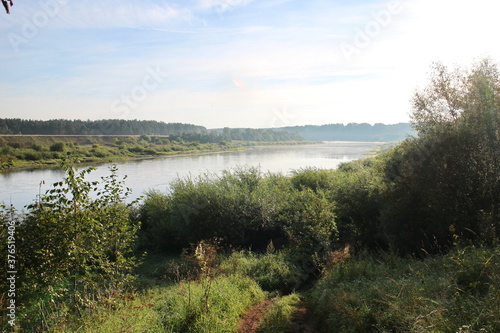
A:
405,295
274,272
313,179
308,221
243,207
76,245
354,195
57,146
156,227
93,127
232,207
446,182
38,151
427,192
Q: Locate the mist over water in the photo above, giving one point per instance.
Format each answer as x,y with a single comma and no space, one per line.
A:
22,187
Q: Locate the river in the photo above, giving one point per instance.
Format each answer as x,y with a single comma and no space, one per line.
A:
22,187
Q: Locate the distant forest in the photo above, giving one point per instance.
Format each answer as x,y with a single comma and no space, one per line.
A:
94,127
189,132
353,132
176,131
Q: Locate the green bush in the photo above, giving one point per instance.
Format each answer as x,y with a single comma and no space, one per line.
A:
244,208
157,229
274,272
76,248
308,221
313,179
136,149
32,156
356,191
57,147
238,206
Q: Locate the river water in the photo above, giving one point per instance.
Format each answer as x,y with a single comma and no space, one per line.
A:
22,187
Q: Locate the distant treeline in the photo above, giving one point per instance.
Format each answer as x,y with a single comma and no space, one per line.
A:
189,132
253,134
353,132
94,127
177,131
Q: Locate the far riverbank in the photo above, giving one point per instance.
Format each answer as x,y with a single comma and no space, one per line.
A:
19,152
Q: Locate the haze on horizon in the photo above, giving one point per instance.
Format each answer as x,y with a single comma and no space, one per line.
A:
234,63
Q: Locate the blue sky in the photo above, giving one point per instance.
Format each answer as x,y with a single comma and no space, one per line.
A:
236,63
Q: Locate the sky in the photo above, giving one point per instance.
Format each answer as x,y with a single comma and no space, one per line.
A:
234,63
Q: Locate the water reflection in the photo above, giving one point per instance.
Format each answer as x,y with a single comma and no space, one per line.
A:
20,188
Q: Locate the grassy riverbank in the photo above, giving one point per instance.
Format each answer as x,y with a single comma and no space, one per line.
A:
38,151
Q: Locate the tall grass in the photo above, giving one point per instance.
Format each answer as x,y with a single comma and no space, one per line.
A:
274,272
279,317
183,307
457,292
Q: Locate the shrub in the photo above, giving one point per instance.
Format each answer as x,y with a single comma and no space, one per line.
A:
57,147
308,222
36,147
274,272
76,248
245,209
313,179
136,149
33,156
157,229
237,206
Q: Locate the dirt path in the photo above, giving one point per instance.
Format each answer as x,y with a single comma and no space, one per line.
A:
303,321
251,320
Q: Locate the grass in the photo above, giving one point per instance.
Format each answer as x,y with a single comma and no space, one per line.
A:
204,303
30,151
188,308
180,307
456,292
279,317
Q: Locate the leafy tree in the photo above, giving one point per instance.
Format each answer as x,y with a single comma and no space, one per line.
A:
446,182
77,241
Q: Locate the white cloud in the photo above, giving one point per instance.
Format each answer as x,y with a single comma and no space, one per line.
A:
223,5
237,72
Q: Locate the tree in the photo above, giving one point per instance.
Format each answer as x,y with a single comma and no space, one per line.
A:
76,242
446,182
